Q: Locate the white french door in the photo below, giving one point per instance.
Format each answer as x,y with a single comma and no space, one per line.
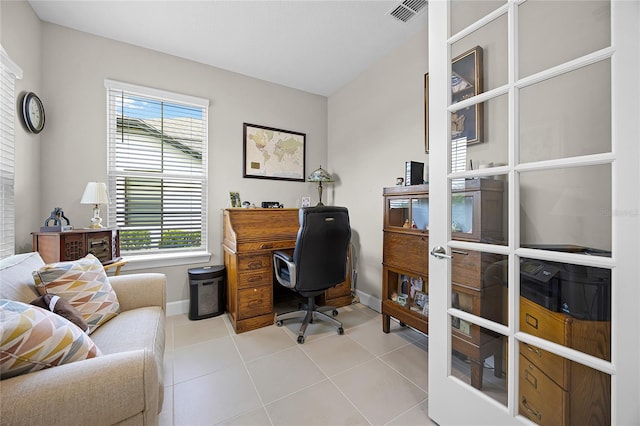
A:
533,171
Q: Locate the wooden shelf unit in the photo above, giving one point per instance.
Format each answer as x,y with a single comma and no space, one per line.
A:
103,243
477,208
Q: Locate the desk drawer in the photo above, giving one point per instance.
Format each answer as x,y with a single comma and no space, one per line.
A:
266,245
253,262
540,399
253,279
552,364
538,321
255,301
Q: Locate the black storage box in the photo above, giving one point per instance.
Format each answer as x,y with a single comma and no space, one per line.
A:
206,291
584,292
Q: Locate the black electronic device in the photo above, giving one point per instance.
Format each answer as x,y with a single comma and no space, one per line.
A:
271,205
584,292
414,173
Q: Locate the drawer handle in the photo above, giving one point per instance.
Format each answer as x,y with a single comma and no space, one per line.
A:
464,253
254,279
255,265
531,410
266,246
533,381
535,351
532,321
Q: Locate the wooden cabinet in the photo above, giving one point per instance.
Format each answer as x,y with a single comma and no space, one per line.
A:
405,258
249,238
103,243
476,210
555,390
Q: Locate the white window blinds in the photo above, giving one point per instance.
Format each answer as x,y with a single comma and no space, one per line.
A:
157,168
9,71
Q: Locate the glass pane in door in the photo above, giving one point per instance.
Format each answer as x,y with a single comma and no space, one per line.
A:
571,29
567,116
462,15
556,391
478,358
479,135
570,206
473,71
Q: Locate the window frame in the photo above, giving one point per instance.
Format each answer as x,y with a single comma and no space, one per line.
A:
9,73
157,257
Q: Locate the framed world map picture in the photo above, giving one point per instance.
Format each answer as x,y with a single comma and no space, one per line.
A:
271,153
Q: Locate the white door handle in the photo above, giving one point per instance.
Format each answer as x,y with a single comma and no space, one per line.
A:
440,253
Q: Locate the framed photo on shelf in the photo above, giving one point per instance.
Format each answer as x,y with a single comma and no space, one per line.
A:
466,82
271,153
420,300
234,199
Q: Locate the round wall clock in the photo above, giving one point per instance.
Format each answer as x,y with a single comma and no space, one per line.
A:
33,112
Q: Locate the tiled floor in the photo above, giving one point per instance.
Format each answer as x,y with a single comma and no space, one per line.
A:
263,377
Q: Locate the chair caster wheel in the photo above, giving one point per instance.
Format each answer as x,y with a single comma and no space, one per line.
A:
279,323
301,339
334,312
340,331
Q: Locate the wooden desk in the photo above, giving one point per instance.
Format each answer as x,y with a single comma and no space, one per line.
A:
249,238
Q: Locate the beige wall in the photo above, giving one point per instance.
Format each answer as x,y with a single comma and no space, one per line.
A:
376,123
21,37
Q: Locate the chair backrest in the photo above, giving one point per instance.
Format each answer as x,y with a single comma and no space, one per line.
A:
321,248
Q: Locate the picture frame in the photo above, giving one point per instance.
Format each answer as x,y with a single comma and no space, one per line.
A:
426,113
420,299
466,82
234,199
270,153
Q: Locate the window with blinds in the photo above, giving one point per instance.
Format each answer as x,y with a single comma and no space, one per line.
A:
157,169
9,72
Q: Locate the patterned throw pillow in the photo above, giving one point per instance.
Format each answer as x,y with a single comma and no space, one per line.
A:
33,339
84,284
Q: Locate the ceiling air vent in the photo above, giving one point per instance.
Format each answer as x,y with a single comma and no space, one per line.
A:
408,9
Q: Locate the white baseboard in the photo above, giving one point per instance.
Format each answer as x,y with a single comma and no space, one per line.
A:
178,308
370,301
181,307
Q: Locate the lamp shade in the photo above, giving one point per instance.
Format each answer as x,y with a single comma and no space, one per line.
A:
320,175
95,193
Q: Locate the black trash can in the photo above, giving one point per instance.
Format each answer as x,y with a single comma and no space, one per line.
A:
206,291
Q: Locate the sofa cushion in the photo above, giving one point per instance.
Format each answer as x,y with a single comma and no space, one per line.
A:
33,339
16,281
84,284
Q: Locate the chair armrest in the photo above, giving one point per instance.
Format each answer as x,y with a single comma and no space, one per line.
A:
281,259
104,390
284,256
140,290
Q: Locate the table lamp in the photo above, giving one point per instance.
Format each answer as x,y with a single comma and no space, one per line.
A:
320,175
95,193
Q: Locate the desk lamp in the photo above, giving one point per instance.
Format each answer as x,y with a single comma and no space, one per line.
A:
320,175
95,193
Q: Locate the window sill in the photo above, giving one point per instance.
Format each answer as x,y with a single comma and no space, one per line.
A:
137,262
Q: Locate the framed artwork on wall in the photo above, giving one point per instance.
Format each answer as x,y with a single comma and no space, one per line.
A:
271,153
466,82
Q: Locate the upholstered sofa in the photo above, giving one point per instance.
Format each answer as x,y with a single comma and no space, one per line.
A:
122,385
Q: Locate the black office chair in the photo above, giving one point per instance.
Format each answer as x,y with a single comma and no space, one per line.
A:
319,262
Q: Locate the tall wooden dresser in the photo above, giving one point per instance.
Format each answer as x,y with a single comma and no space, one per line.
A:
250,236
